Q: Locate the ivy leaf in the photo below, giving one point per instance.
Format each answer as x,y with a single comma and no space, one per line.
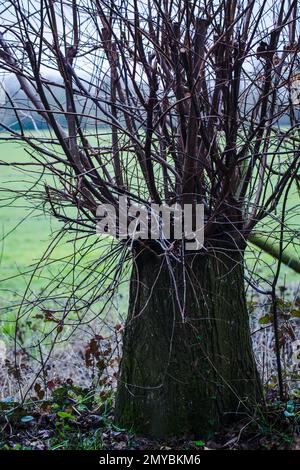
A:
265,319
27,419
295,313
199,443
65,415
290,409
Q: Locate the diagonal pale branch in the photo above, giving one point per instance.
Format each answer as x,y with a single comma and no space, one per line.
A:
268,247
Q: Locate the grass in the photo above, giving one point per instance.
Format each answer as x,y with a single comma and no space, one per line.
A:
64,425
26,233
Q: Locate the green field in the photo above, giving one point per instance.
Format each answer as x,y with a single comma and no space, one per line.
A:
26,233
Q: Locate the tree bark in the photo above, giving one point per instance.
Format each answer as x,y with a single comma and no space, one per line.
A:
186,375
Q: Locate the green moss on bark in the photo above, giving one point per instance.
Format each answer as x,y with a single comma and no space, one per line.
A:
180,377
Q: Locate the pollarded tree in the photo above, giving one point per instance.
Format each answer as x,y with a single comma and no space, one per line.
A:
166,102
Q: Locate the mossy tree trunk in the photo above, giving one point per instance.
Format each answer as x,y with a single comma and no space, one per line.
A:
186,375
